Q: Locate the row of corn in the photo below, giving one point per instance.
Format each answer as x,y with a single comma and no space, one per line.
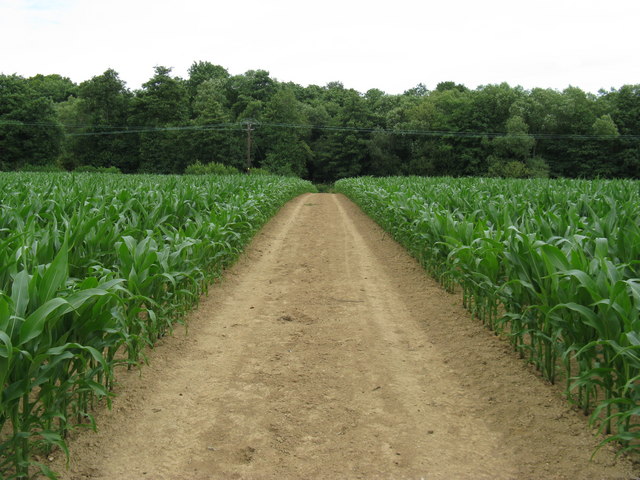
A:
552,264
93,268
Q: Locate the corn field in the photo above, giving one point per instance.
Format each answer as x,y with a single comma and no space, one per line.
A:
93,269
552,264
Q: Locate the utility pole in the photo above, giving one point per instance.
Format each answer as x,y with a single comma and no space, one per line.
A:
249,124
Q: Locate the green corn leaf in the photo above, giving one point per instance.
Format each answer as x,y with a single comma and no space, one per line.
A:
20,293
584,280
555,257
5,313
588,316
56,274
15,391
634,338
46,471
78,299
34,323
602,247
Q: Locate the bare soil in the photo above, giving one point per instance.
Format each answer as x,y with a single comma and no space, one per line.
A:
326,352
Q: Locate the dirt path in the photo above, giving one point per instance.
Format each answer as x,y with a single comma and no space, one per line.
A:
327,353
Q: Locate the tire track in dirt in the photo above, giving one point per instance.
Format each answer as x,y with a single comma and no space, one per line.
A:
327,353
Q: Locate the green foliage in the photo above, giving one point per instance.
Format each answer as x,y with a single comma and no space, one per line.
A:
54,87
93,268
325,188
288,157
212,168
102,107
163,105
512,153
92,169
605,126
41,168
537,167
318,132
201,72
162,100
507,169
29,130
260,172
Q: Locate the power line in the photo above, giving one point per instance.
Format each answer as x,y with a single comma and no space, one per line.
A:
445,133
157,129
118,130
113,130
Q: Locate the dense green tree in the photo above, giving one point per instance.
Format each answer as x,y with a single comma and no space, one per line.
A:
105,99
383,153
341,151
513,153
517,144
419,90
625,112
201,72
54,86
605,126
285,135
492,107
625,109
102,108
162,108
162,101
539,110
288,156
209,102
29,130
444,86
213,139
73,123
600,154
321,132
443,147
248,93
576,111
574,154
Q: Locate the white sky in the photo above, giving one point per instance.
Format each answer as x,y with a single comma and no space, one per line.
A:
391,45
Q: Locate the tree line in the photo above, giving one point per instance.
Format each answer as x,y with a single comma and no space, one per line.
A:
322,133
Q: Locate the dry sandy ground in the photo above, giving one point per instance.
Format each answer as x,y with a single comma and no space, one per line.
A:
327,353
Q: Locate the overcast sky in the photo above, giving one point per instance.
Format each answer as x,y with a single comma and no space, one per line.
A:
391,45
